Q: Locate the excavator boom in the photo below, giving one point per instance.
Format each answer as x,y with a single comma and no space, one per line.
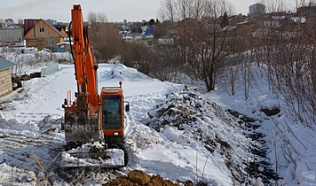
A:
85,66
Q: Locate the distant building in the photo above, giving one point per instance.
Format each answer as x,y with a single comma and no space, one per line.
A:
256,9
306,11
41,34
166,42
9,21
52,21
63,47
3,24
11,37
6,23
5,76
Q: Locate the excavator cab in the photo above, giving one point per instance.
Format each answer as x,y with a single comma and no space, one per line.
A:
112,114
109,152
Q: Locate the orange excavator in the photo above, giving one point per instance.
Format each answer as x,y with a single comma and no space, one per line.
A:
94,123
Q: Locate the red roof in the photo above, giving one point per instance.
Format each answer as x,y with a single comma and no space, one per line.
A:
29,23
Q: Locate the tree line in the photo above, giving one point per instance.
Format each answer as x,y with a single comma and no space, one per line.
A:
205,46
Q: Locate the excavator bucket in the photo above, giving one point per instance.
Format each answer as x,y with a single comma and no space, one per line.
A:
92,155
83,128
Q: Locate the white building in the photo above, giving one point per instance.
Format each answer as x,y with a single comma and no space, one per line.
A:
256,9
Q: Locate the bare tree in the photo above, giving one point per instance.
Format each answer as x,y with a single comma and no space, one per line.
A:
274,5
287,49
201,45
138,56
104,36
20,21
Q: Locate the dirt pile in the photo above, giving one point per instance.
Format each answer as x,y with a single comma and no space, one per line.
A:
138,177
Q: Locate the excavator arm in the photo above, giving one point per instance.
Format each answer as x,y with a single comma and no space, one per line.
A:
82,121
85,66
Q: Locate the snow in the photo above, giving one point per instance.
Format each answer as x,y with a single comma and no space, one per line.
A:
291,144
11,175
69,160
171,131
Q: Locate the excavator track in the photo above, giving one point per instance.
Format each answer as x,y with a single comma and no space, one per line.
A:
93,155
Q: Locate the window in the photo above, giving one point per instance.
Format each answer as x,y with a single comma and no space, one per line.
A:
41,29
51,43
111,112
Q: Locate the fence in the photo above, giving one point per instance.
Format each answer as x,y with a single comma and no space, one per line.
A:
49,70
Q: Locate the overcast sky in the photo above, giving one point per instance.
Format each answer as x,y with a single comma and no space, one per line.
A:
115,10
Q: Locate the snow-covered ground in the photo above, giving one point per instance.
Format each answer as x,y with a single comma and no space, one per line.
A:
292,145
171,131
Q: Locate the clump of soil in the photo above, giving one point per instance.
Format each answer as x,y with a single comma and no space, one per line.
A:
138,177
271,112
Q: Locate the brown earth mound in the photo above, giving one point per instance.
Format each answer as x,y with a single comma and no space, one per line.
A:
138,177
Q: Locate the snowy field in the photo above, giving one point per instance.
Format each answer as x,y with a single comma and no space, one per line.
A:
171,131
31,136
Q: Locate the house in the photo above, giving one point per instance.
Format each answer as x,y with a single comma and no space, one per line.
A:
3,24
256,10
11,36
40,34
5,76
65,45
307,11
63,28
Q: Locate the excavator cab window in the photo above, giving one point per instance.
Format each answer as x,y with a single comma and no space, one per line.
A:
111,112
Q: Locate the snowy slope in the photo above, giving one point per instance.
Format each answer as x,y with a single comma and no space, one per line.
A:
32,136
291,145
171,131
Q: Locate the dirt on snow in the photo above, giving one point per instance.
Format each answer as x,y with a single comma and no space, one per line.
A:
138,177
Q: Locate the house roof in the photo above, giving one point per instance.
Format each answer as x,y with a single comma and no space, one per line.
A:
61,34
29,23
5,64
11,35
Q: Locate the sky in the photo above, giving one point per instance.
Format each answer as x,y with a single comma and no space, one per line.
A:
118,10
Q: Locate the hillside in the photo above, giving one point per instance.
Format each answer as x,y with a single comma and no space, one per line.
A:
171,130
